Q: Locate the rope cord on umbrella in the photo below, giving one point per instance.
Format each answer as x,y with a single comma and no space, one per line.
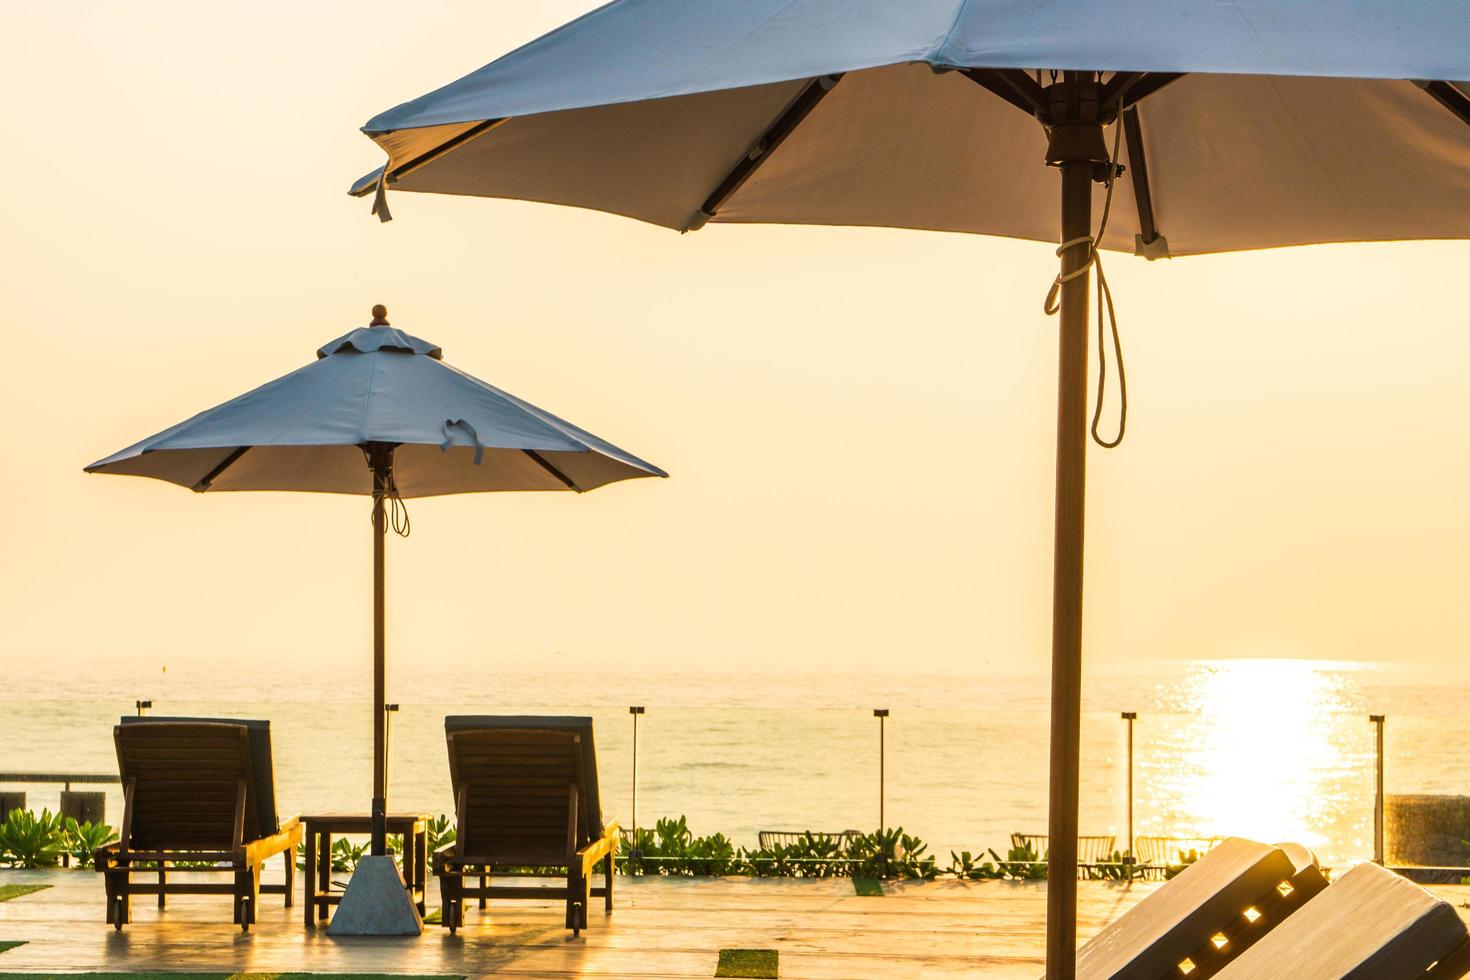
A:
1104,301
397,509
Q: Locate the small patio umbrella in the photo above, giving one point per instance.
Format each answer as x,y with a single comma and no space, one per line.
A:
1247,124
380,413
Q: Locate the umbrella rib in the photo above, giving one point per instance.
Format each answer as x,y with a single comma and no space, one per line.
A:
1450,97
224,464
542,462
761,151
1131,88
1013,85
429,156
1138,165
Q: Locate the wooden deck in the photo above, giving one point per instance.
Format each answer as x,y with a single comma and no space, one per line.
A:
663,928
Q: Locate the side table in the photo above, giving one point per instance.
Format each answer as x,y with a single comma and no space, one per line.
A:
319,830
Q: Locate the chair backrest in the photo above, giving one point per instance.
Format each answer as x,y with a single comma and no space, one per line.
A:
1370,923
1167,851
262,763
513,772
185,780
1210,896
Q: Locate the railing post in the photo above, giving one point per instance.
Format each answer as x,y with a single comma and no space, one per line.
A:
1130,717
882,715
633,853
1378,849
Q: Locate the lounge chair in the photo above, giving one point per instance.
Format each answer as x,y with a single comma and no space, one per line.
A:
1206,915
525,792
1369,925
200,791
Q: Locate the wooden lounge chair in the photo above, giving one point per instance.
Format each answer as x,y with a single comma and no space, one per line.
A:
526,800
198,791
1370,924
1205,916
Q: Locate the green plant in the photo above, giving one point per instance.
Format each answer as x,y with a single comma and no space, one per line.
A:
83,839
29,841
1186,858
441,833
1119,866
891,853
965,867
345,854
810,856
1021,864
632,862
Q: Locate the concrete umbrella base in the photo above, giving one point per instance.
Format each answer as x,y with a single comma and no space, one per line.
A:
376,903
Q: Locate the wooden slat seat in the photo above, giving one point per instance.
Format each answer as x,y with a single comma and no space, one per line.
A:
1207,915
193,791
1370,924
526,799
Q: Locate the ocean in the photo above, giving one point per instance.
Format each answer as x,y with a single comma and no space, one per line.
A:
1270,749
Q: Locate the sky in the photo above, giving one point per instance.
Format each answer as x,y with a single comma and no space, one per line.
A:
858,423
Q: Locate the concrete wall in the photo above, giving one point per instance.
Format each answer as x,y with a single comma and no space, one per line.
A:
1427,830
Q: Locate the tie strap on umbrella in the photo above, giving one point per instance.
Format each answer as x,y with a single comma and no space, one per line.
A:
451,426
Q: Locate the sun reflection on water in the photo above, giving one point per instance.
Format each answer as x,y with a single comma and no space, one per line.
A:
1268,749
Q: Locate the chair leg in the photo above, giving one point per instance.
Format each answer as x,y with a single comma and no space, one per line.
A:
578,894
290,855
451,894
162,882
607,898
484,902
247,896
119,905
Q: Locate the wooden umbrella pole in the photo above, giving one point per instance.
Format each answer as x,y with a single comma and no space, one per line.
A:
1075,141
381,460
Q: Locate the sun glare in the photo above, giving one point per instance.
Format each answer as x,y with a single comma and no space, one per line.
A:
1267,749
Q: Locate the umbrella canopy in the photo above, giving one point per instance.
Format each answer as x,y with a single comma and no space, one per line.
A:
306,431
380,413
1245,124
1293,122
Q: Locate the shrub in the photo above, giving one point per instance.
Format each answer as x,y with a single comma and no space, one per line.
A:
891,854
1118,867
83,839
967,868
441,833
1186,858
29,841
1021,864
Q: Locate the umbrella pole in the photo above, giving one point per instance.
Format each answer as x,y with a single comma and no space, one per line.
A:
381,460
1075,153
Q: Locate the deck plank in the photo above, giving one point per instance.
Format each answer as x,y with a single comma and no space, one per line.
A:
663,929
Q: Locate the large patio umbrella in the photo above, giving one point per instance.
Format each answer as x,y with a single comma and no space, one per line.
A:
380,413
1246,124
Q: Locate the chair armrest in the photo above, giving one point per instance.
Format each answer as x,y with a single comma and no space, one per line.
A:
106,856
257,851
604,846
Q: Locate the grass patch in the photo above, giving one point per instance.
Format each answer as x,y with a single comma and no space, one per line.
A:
434,918
7,892
869,887
11,944
762,963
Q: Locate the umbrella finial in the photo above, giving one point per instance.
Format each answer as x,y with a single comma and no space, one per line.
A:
380,316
